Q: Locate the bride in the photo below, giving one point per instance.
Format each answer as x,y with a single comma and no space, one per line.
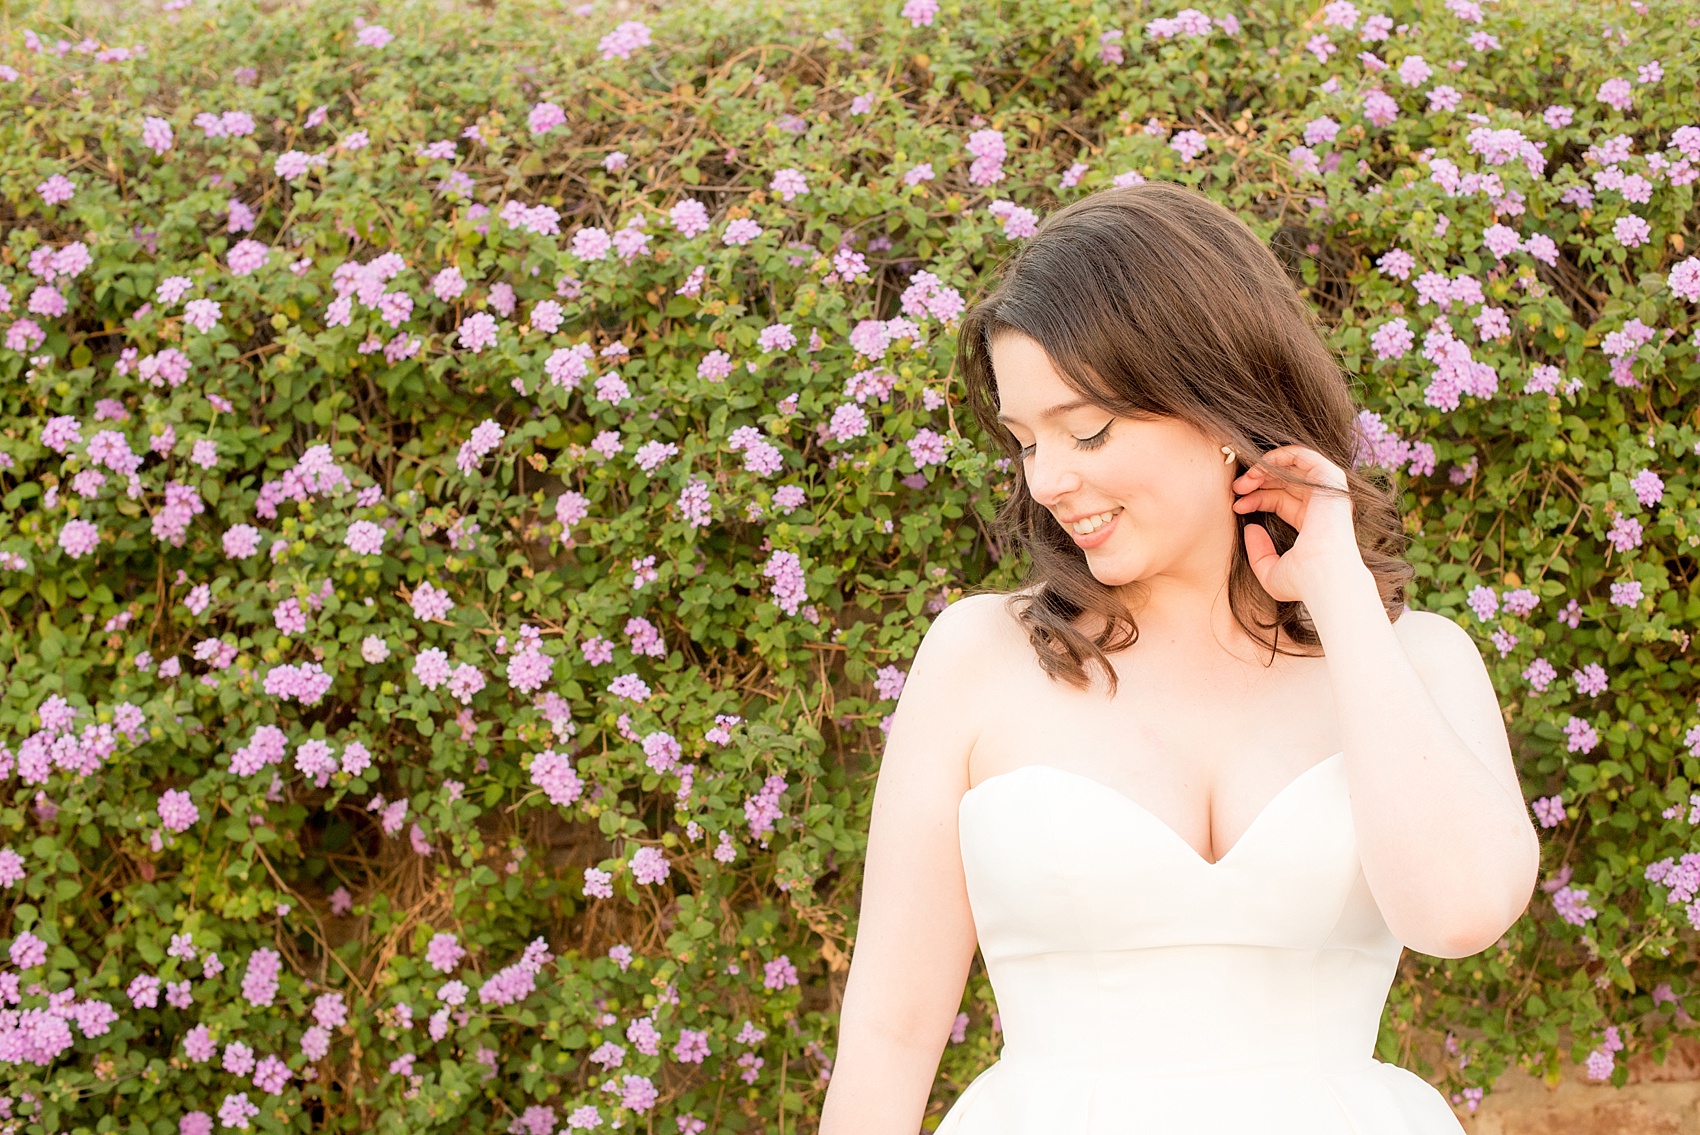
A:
1193,787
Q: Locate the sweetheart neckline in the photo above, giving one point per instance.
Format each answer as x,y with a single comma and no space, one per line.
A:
1223,858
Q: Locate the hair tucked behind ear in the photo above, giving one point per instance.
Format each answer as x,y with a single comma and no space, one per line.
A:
1155,301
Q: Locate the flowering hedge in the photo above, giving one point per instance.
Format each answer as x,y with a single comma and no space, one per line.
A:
471,483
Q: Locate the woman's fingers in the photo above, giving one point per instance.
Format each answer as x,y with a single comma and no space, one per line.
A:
1297,461
1278,501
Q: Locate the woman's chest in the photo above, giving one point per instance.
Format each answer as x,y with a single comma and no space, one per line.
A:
1203,749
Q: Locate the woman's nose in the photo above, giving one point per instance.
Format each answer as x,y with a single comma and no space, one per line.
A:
1050,478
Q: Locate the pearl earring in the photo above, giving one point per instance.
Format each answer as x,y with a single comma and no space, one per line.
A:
1229,450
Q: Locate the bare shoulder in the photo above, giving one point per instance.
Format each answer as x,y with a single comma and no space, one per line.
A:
1434,641
962,651
983,623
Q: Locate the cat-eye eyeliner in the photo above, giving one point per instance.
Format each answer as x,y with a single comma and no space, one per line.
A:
1092,442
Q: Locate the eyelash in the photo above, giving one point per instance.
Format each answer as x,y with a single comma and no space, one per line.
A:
1092,442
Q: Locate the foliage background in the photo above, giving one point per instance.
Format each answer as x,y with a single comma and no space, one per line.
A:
1519,501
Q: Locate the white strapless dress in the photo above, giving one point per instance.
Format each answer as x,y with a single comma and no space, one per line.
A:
1143,990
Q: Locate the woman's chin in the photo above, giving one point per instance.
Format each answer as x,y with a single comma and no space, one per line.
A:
1111,570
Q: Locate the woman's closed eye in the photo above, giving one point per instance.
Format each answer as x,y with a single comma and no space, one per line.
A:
1092,442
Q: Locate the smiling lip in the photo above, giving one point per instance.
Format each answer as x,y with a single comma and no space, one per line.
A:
1098,535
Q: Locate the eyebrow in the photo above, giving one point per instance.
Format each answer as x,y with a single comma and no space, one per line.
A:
1056,411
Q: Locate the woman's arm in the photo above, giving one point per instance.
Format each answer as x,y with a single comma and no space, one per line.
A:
1448,848
915,938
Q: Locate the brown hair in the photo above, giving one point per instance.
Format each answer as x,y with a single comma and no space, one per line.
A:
1155,301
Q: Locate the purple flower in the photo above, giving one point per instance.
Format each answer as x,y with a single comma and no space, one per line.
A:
329,1010
430,603
202,314
629,686
260,980
11,867
1521,601
848,421
1616,93
649,865
444,952
545,116
291,164
1625,533
25,335
1582,736
48,301
198,1044
1492,323
156,134
1684,280
143,991
271,1074
1483,602
638,1094
536,1120
246,257
643,1035
779,973
1189,144
448,284
741,231
235,1111
1018,220
789,587
762,809
56,189
690,217
78,538
623,40
486,436
1631,231
238,1058
241,541
1590,680
920,13
1649,487
556,777
789,183
591,243
431,668
927,447
478,331
1571,903
177,811
529,669
1393,339
466,681
776,337
365,538
692,1046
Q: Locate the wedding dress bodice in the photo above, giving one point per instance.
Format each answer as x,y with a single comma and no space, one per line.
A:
1143,989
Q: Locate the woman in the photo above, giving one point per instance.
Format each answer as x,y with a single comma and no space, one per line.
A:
1193,787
